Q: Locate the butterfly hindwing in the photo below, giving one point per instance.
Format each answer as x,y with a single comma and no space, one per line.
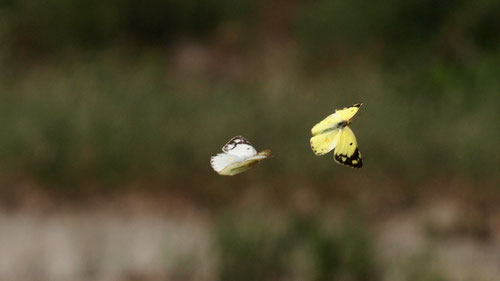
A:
347,152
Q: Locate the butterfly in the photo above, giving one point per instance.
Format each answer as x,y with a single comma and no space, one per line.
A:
333,133
238,156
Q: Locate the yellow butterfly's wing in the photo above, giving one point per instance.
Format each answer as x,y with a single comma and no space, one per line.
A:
324,143
239,167
346,152
329,123
346,113
335,120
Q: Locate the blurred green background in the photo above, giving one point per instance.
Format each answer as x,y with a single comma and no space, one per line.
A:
110,105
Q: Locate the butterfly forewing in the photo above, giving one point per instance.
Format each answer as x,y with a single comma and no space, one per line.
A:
329,123
324,143
347,113
232,143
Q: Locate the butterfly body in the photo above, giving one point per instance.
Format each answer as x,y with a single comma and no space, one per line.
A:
334,133
238,156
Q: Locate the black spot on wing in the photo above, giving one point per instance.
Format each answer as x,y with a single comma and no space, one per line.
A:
353,161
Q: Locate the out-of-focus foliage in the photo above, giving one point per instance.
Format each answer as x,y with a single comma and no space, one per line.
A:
53,25
104,117
420,267
101,91
400,26
393,27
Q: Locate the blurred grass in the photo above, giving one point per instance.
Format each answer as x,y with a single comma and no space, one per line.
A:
106,117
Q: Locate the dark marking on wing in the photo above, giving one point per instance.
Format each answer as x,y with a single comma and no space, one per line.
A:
354,161
358,105
316,151
233,142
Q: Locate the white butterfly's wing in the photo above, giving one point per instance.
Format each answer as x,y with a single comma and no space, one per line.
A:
240,147
260,156
223,160
241,166
235,141
243,151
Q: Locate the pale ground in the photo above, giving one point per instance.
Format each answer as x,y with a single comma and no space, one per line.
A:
107,245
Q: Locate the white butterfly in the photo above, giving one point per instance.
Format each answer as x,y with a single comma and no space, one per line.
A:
238,156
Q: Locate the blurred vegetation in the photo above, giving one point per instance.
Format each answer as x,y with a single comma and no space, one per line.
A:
308,248
113,94
117,91
34,27
421,267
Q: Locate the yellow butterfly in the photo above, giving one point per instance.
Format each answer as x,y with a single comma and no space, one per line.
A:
333,133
